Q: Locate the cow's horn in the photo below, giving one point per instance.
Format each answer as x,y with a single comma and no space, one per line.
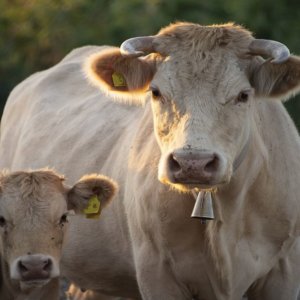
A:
279,52
138,46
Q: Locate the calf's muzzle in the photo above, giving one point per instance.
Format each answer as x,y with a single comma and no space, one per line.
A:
34,267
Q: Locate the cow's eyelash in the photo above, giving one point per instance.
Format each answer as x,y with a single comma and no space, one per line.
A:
234,98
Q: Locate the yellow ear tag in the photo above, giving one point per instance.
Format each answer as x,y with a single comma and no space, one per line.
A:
93,209
118,79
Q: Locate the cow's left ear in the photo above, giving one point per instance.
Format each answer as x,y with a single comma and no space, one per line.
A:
86,188
123,77
276,80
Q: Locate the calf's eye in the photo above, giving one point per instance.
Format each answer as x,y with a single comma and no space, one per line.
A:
242,97
63,219
2,221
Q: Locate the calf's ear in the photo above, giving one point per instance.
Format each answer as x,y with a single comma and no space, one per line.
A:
276,80
124,77
88,187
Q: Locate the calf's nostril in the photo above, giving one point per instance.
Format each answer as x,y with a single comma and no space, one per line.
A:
47,265
22,268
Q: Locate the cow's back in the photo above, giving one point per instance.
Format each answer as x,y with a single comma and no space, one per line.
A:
60,98
55,118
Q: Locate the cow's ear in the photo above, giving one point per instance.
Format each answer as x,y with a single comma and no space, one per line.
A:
276,80
124,77
88,187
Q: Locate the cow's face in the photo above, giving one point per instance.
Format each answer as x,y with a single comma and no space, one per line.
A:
34,208
191,100
203,83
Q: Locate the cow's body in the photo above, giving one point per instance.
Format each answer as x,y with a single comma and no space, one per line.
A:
147,236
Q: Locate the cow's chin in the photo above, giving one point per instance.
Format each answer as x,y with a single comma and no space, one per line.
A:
32,284
187,187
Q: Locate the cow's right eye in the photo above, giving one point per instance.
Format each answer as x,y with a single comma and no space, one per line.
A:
155,93
2,221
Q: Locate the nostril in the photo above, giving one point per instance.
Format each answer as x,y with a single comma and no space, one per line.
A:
173,164
22,268
212,165
47,265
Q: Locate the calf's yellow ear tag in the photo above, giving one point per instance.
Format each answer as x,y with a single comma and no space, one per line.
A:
93,209
118,79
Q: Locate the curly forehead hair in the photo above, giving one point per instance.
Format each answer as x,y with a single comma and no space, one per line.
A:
194,37
31,182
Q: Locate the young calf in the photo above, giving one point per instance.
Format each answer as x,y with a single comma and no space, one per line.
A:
34,209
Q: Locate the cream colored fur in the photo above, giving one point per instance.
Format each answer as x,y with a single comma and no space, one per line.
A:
145,242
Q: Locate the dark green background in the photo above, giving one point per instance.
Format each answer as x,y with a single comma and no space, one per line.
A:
37,34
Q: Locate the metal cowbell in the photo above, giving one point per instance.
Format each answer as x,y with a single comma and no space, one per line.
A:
203,208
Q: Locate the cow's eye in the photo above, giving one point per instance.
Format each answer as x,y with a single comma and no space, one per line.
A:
63,219
155,93
2,221
242,97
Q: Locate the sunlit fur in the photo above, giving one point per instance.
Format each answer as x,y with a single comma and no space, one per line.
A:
136,82
93,184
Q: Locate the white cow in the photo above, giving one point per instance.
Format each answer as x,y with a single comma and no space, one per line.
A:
211,119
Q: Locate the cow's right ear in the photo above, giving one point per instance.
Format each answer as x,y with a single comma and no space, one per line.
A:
124,77
90,187
276,80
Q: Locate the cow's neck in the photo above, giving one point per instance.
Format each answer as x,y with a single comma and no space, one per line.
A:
251,203
247,169
253,185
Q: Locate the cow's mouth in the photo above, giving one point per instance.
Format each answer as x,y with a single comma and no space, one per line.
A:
188,186
191,184
30,284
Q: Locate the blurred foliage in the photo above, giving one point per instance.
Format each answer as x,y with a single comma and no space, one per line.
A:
35,34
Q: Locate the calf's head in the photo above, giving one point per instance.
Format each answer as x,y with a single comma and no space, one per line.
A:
34,208
204,83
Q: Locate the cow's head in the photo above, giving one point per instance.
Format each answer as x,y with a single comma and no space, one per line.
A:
204,83
34,208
